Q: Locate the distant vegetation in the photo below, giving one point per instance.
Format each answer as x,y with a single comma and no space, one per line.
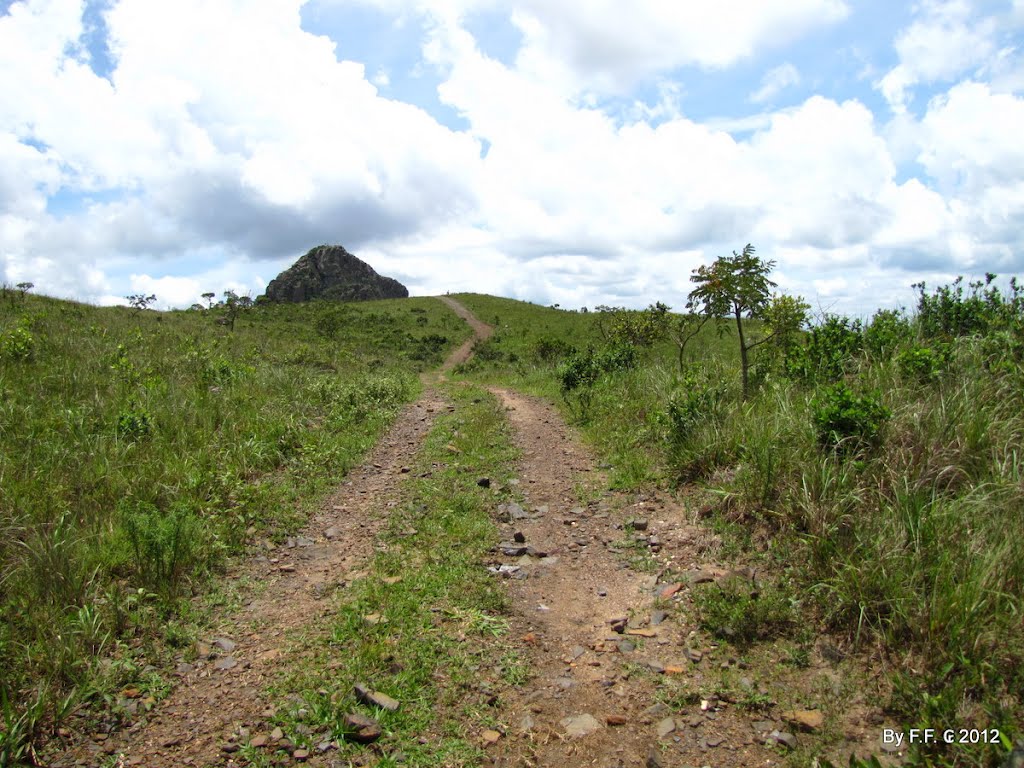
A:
139,449
883,460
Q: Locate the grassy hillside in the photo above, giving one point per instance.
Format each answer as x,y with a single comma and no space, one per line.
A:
139,449
876,471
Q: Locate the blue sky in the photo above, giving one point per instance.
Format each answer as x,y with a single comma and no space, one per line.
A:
540,150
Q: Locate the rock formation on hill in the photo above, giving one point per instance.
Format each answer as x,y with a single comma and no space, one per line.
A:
331,272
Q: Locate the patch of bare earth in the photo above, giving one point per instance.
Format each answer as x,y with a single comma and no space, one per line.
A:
621,673
480,331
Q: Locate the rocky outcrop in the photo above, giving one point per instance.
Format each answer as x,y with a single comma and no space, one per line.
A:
331,272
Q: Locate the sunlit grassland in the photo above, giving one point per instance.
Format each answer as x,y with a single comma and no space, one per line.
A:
893,504
139,449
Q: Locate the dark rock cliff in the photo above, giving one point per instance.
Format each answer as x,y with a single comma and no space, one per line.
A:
331,272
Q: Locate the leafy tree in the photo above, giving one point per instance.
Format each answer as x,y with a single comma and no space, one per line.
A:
25,288
209,296
140,301
736,285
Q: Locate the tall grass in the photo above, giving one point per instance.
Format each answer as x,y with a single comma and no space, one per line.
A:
139,449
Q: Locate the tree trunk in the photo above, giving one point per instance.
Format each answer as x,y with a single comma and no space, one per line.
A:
743,351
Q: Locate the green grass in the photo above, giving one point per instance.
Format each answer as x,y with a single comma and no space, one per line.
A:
138,450
904,534
439,649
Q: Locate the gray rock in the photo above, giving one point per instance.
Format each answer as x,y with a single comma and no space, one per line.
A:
639,524
361,729
657,617
578,726
228,662
331,272
665,727
225,644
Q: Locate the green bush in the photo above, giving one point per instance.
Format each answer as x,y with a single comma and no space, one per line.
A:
888,329
827,352
165,544
733,610
18,344
691,403
846,422
922,364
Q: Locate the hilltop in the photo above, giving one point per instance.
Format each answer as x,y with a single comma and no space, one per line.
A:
331,272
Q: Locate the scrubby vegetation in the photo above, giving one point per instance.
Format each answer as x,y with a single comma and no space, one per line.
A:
881,461
138,450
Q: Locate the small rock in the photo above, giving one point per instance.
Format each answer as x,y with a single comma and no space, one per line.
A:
808,720
714,741
534,552
665,727
259,741
286,568
669,590
642,632
616,719
657,617
484,482
225,644
699,577
653,759
656,666
519,537
526,724
302,541
764,726
229,747
619,624
300,755
639,524
656,710
602,592
512,549
276,735
578,726
375,698
491,737
362,729
786,739
625,646
228,662
577,651
694,656
326,746
332,533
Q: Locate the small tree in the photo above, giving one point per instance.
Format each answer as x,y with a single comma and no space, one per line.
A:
234,305
209,296
738,285
24,288
140,301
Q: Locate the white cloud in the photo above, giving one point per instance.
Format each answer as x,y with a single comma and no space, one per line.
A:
946,40
775,81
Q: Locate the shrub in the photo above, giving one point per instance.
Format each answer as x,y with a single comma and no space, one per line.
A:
733,610
18,344
828,350
163,543
551,348
847,422
689,405
887,330
922,364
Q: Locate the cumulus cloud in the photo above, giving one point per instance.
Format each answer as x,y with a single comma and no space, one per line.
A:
945,40
218,158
